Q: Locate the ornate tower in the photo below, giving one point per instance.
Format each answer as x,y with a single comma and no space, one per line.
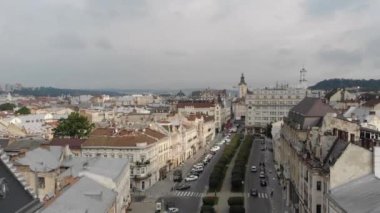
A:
243,88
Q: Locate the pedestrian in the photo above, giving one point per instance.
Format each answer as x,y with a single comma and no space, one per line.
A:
271,193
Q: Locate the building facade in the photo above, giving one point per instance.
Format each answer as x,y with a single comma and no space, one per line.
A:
270,105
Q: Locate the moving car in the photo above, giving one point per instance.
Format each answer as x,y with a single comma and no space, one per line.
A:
254,192
182,187
263,183
253,169
262,174
191,178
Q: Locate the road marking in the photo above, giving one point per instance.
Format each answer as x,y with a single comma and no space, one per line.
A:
188,194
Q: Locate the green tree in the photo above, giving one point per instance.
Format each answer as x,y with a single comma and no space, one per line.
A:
23,111
75,125
7,107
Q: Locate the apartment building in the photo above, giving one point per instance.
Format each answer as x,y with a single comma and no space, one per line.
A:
318,150
147,150
54,172
269,105
213,108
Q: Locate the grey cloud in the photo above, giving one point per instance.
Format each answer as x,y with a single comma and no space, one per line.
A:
104,44
373,48
284,51
189,43
340,57
68,41
326,7
176,53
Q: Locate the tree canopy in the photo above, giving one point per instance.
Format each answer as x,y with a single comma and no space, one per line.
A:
23,111
7,107
75,125
364,85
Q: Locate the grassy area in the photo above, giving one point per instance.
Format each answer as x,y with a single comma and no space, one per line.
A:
219,171
238,172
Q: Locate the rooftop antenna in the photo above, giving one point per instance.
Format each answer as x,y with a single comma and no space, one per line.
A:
303,80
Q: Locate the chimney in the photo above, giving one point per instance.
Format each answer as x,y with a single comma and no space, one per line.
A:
376,161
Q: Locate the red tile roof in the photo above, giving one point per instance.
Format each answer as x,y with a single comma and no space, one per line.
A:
372,103
74,143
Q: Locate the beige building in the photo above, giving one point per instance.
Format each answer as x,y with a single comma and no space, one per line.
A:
315,152
53,171
220,113
147,150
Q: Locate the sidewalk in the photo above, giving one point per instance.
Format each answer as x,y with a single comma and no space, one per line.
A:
277,202
225,191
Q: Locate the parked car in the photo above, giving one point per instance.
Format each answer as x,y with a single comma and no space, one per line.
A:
191,178
253,169
215,148
254,192
197,173
198,165
262,148
182,187
263,183
173,210
197,169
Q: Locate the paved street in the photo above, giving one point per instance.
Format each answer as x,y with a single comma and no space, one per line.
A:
190,201
264,202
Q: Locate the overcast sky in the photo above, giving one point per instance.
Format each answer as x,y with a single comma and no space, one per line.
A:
186,43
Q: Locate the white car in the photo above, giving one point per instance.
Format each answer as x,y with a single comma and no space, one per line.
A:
173,210
215,148
191,178
198,165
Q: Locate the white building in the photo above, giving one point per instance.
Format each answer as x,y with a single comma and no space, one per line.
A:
270,105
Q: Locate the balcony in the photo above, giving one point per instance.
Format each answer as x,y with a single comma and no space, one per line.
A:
142,163
142,176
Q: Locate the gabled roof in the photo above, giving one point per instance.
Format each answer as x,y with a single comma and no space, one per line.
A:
42,159
360,195
17,199
329,94
84,196
25,144
312,107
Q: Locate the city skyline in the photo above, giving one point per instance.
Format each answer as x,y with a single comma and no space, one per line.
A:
193,44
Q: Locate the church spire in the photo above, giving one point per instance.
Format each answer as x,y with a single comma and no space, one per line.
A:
242,80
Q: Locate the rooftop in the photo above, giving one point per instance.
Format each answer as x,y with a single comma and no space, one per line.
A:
312,107
84,196
360,195
17,197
